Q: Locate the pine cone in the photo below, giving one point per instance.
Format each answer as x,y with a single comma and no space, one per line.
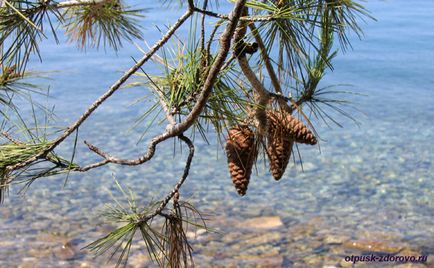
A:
294,127
279,147
241,153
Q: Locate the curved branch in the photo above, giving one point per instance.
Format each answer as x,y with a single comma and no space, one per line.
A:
128,162
110,92
92,166
180,182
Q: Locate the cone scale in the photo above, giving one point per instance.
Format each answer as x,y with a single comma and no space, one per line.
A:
293,127
279,148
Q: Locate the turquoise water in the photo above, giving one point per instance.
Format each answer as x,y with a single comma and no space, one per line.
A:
369,184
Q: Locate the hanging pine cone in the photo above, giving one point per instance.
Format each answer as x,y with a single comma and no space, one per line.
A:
294,127
279,147
241,153
283,131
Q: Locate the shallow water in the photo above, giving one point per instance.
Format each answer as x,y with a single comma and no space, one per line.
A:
370,184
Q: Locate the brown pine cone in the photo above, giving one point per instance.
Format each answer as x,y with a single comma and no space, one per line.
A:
294,127
241,153
279,147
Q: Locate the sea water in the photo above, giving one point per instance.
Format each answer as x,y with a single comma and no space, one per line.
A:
367,188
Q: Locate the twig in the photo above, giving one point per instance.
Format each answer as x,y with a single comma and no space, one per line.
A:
191,4
10,138
76,3
212,35
229,62
202,29
91,166
212,14
166,109
128,162
273,77
178,186
262,95
243,18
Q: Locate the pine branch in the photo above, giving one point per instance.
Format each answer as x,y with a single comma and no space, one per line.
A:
171,132
265,57
261,97
141,221
190,119
106,95
316,69
106,22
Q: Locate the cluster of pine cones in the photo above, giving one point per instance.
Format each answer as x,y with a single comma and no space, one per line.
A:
241,150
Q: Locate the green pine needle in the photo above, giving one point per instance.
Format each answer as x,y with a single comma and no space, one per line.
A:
105,24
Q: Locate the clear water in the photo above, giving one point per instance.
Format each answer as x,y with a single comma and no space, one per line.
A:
373,182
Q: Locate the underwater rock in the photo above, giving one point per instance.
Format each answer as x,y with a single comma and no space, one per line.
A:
301,231
331,261
231,238
51,238
346,264
65,252
262,223
266,238
313,260
29,264
40,252
430,260
410,252
5,244
208,251
411,265
108,265
372,246
335,239
85,265
197,235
